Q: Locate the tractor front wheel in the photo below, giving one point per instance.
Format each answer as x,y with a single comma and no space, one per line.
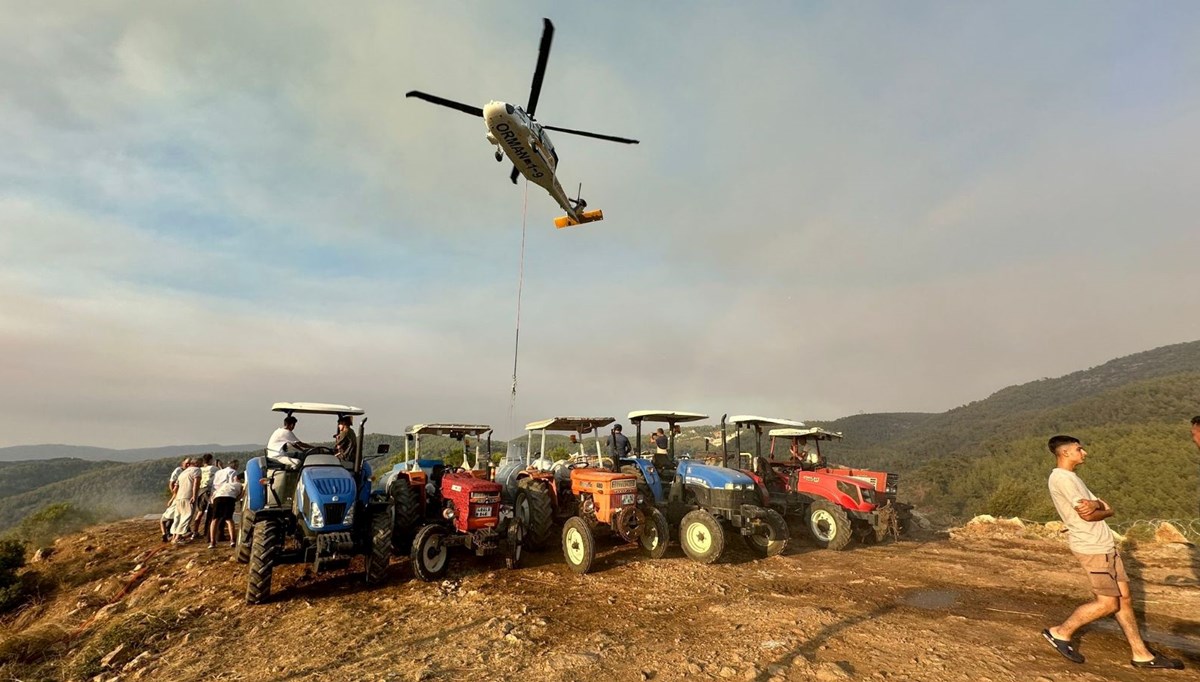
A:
430,557
535,508
516,543
656,535
770,537
829,525
245,534
381,543
268,541
579,545
701,536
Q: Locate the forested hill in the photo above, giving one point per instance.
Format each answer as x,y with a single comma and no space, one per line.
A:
27,452
989,456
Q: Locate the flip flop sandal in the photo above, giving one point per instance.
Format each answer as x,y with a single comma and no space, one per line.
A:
1068,652
1159,662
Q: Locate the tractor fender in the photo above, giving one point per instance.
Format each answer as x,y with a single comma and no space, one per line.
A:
752,511
649,473
548,480
256,492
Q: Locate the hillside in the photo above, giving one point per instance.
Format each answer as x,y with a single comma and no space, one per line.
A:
87,452
19,477
119,605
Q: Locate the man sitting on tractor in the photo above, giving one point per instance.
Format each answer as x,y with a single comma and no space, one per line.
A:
283,437
345,443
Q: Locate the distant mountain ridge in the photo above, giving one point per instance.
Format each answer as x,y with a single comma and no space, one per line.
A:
18,453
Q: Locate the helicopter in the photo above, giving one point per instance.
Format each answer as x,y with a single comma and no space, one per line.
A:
514,132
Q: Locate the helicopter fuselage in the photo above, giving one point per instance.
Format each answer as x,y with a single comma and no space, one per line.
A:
528,146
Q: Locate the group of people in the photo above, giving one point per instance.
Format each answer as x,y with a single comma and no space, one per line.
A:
204,495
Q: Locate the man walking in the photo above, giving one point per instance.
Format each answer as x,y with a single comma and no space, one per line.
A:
1093,544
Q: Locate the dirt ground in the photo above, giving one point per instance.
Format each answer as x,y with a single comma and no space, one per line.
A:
931,608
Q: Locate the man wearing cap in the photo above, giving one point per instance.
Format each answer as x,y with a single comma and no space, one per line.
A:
345,444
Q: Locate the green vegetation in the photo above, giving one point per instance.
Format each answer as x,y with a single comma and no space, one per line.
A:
43,526
12,558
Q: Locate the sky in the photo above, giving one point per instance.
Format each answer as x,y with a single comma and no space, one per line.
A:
835,208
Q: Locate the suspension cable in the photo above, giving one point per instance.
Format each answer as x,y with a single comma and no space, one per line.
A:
512,403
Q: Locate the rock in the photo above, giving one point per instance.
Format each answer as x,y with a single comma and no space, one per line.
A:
108,658
750,673
772,644
577,662
510,637
981,519
776,669
694,668
1054,527
137,661
1013,522
726,672
1168,533
41,555
831,672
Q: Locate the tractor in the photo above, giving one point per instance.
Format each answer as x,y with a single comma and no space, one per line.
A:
414,484
309,507
810,460
471,516
584,492
834,508
703,499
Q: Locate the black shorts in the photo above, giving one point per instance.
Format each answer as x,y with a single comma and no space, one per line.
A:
222,508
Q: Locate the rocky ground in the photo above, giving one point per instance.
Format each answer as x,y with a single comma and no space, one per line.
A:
962,606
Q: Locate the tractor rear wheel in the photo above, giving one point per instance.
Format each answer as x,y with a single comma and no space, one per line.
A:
516,543
829,525
245,536
579,545
406,504
381,543
430,557
536,509
701,536
771,535
268,541
656,535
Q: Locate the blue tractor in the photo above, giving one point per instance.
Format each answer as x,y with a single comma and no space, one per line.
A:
307,506
704,499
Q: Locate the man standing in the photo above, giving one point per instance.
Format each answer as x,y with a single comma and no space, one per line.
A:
188,488
618,445
283,436
227,488
1093,544
207,470
345,444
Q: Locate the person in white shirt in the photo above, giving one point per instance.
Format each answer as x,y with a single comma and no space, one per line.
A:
188,488
1094,546
282,436
227,488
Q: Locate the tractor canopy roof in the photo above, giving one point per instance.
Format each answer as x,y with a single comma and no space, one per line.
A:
814,432
578,424
669,416
316,408
751,420
452,430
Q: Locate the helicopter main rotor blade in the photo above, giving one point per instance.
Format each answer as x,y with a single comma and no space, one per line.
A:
539,72
598,136
434,99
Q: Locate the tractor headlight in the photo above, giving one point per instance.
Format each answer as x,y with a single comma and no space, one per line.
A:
731,486
349,518
641,499
315,518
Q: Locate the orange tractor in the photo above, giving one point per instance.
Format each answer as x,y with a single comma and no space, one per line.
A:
586,492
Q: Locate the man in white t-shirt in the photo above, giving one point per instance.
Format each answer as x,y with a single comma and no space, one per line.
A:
285,436
188,488
227,488
1094,546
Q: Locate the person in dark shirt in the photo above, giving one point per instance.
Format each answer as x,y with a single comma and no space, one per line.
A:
618,445
660,442
345,443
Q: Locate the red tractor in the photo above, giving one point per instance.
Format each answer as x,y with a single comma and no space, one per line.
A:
472,516
836,504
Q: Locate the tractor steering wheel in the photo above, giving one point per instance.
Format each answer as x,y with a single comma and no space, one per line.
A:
316,450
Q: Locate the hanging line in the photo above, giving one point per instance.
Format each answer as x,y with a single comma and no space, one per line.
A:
512,403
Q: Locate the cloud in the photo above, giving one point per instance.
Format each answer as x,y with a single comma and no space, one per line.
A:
206,209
